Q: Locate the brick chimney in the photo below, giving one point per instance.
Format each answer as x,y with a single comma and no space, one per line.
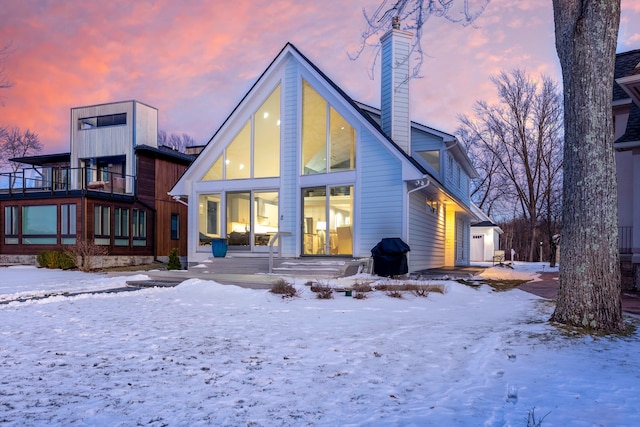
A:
396,123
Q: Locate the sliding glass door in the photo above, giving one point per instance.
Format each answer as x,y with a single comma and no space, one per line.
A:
327,220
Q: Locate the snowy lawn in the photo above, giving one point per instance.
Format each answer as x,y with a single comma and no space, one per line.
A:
210,354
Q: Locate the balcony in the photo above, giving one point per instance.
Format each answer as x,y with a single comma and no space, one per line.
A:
59,180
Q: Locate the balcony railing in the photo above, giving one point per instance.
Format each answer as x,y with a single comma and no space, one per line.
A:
60,180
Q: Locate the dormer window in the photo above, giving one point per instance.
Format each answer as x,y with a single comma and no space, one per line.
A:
432,157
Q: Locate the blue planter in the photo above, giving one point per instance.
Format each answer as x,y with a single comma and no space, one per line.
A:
219,247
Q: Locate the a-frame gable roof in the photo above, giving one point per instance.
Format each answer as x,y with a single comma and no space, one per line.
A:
290,49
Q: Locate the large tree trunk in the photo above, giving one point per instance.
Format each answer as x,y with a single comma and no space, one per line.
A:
590,292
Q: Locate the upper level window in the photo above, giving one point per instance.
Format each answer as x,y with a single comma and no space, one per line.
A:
328,140
254,152
102,121
432,157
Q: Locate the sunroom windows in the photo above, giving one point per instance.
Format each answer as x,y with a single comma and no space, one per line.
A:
255,150
328,140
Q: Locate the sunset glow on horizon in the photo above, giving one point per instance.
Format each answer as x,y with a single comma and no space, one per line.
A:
195,60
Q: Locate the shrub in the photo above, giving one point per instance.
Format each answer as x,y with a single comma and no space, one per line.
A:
174,260
284,288
85,254
55,259
65,262
322,290
361,287
394,293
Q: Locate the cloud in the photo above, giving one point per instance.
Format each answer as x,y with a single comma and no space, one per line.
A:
195,60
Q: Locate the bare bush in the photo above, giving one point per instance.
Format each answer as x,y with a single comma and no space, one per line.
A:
361,287
284,288
86,254
322,290
394,292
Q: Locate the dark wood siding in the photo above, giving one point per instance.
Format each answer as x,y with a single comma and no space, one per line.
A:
167,174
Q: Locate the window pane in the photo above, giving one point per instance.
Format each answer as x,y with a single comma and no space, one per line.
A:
265,217
266,145
215,173
432,157
11,220
208,218
40,220
314,131
68,225
315,220
238,161
175,227
239,219
340,211
343,143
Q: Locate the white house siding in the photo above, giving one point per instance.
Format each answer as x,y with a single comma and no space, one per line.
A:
381,194
141,128
146,125
456,179
289,193
426,234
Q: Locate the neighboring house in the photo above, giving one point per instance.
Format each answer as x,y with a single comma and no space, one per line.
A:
485,236
626,116
110,189
300,166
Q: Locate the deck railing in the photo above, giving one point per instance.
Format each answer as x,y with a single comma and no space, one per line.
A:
63,179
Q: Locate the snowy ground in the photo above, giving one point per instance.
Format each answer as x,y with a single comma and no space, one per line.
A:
210,354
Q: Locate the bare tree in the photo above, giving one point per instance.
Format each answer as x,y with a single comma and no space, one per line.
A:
589,294
175,141
520,139
5,83
414,14
16,143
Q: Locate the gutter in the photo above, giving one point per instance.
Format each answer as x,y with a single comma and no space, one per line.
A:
179,200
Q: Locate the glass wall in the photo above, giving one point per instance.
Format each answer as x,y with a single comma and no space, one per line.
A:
265,217
255,151
328,220
209,225
239,220
328,140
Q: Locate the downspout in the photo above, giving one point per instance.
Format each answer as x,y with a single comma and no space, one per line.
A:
420,185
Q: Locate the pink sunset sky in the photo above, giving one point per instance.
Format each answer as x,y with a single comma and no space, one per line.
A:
194,60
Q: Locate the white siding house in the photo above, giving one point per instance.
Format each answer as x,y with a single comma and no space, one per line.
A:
299,165
626,114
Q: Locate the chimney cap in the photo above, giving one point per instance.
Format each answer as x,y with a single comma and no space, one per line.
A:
395,22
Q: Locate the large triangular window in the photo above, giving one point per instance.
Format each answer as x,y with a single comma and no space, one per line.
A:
328,140
255,151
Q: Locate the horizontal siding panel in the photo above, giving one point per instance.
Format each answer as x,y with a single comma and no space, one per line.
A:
381,194
426,235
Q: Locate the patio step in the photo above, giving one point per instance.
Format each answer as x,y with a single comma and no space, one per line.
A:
290,267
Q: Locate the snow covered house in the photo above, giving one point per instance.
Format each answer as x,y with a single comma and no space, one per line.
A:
626,115
301,169
485,236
